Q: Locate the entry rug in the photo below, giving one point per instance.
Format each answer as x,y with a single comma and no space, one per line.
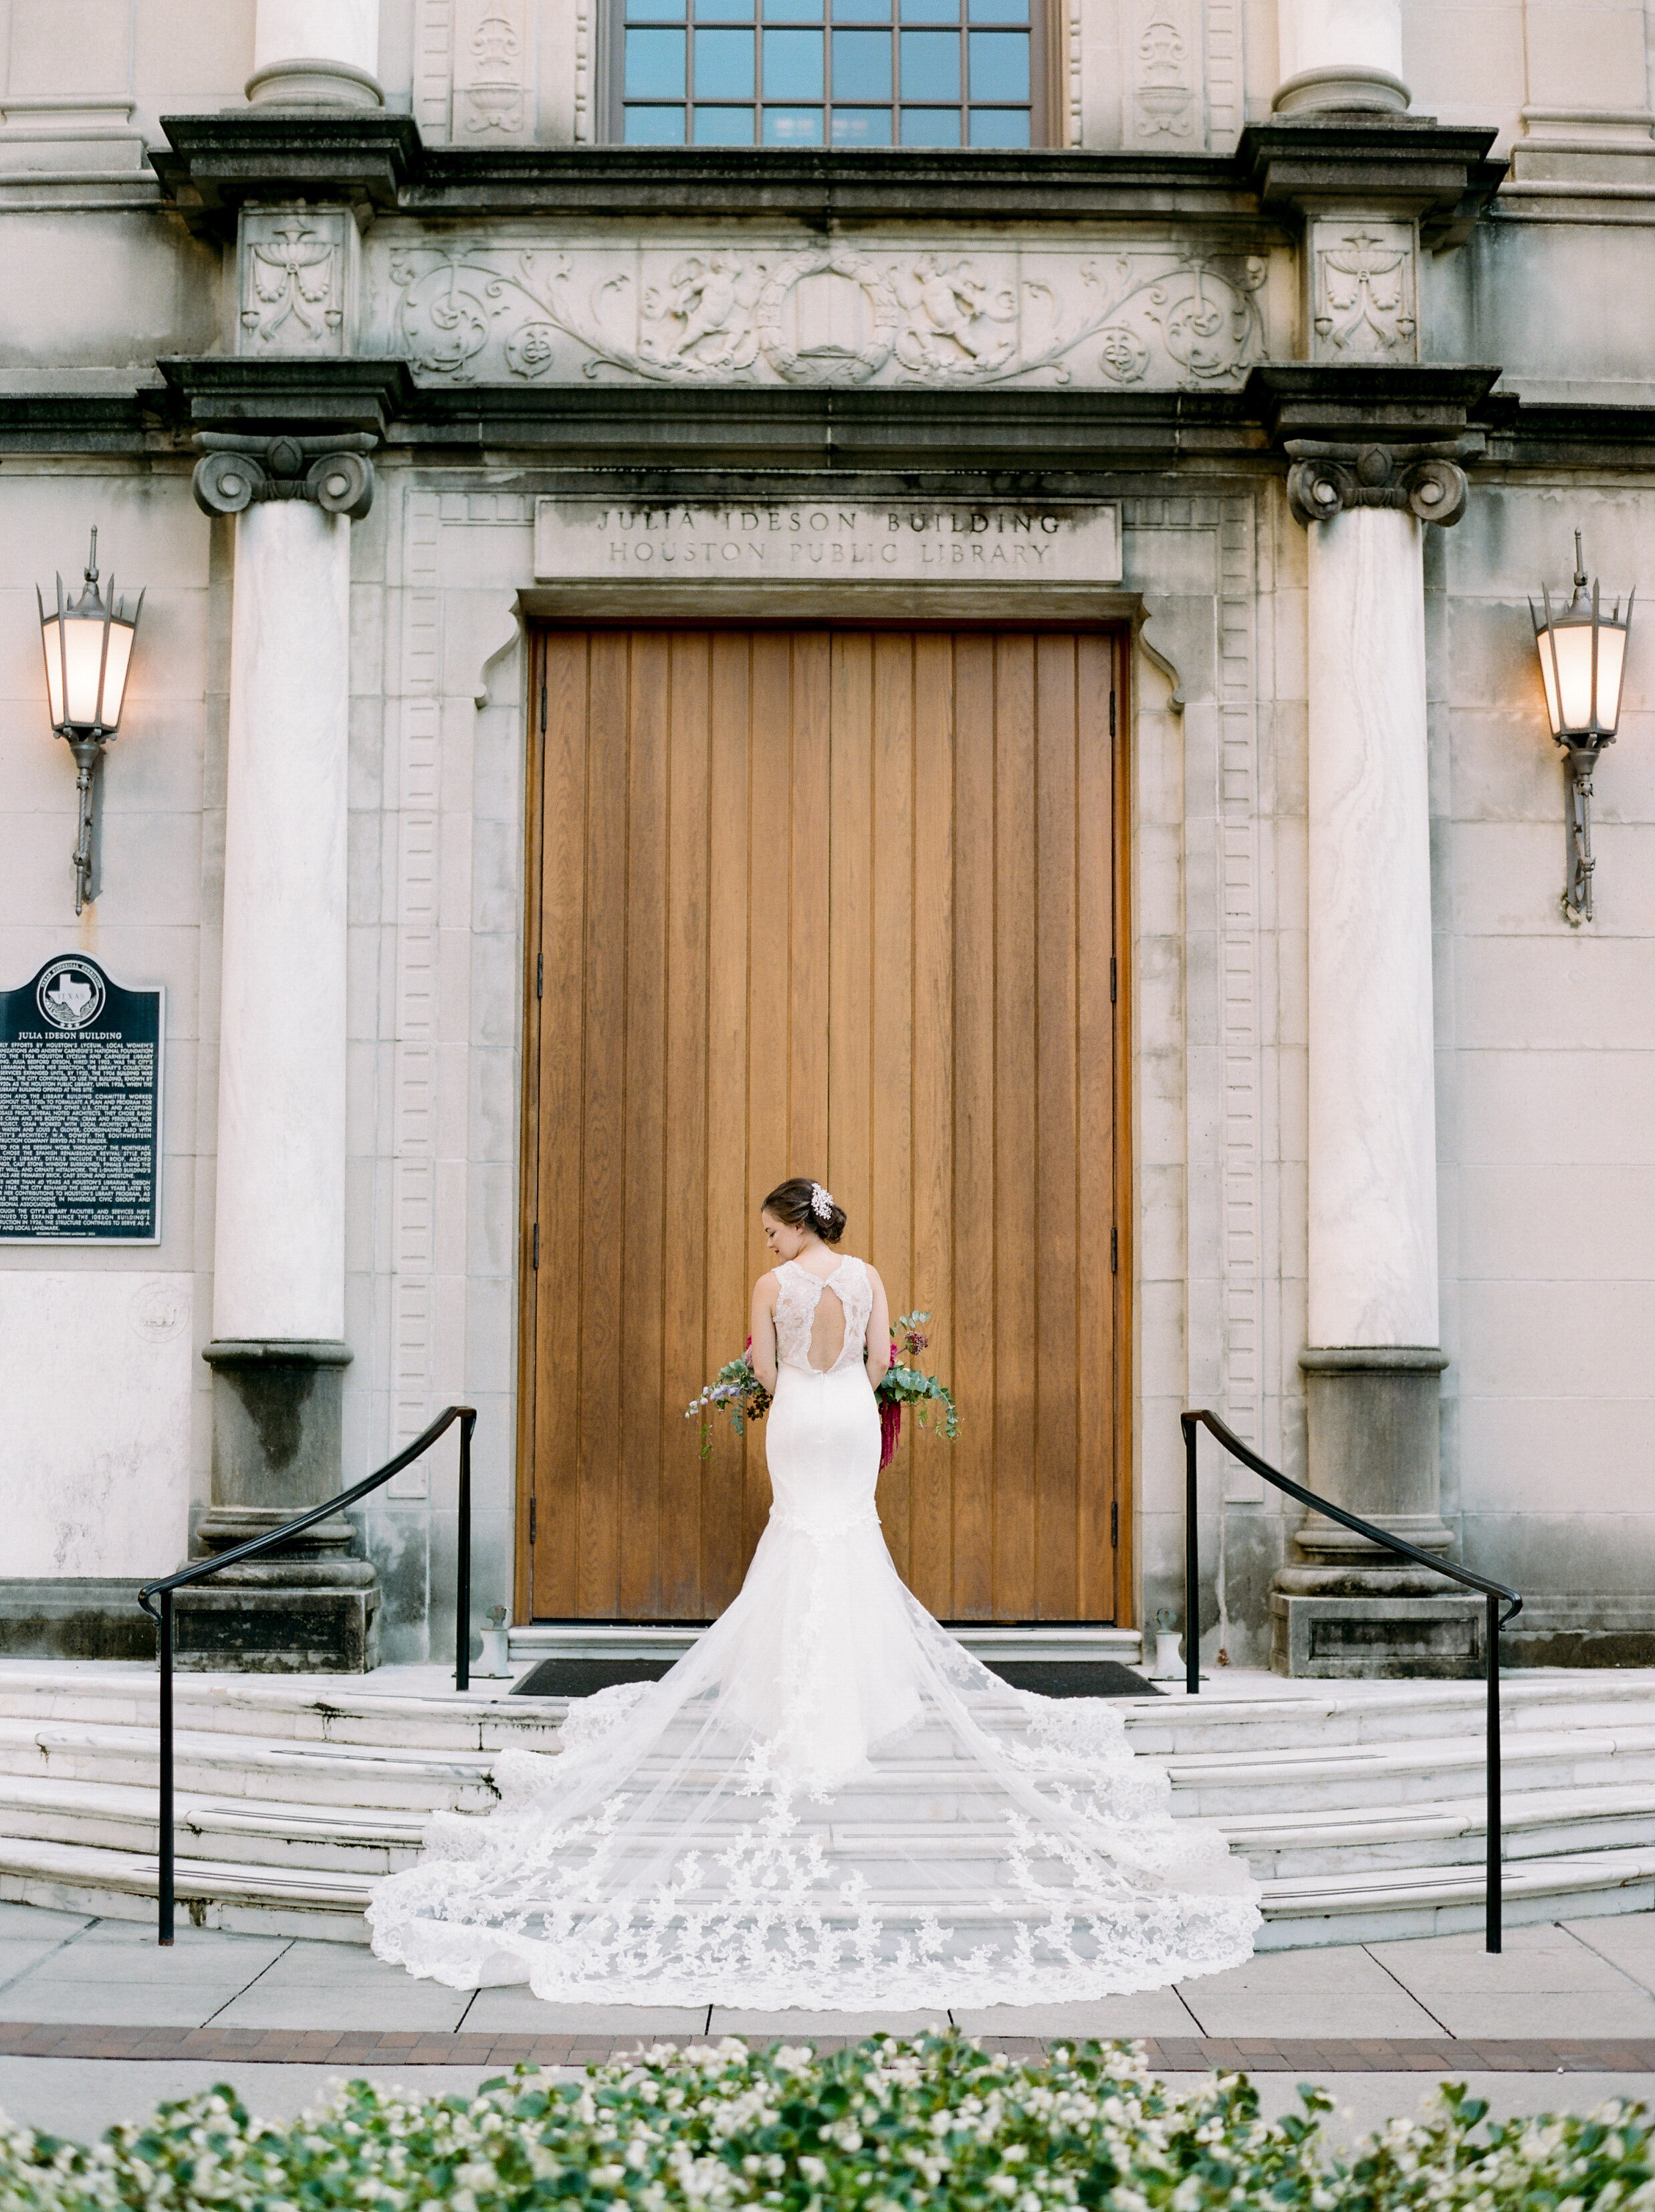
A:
1050,1678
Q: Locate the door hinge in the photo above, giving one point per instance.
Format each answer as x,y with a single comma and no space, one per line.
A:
536,1261
540,976
531,1520
1114,1525
542,707
1114,1251
1111,714
1112,979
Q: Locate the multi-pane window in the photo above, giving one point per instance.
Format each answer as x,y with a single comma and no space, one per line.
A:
827,72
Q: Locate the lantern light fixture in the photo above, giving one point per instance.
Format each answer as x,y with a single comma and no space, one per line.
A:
88,644
1582,662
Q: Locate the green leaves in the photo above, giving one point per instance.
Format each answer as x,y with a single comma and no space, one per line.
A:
930,2124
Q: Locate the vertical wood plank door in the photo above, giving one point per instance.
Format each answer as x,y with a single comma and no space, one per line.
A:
842,904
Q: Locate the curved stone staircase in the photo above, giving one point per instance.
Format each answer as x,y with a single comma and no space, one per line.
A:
1359,1805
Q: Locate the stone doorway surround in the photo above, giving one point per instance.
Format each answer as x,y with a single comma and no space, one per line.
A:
1207,1325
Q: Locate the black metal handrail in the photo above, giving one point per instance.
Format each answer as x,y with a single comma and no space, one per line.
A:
201,1569
1492,1591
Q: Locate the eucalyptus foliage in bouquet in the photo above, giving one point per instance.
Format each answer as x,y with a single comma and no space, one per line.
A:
735,1390
906,1384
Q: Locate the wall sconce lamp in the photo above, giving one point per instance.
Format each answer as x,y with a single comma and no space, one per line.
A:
89,650
1582,661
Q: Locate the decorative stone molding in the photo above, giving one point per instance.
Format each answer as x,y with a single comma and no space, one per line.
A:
1324,480
1363,290
819,312
1165,109
474,80
333,472
297,280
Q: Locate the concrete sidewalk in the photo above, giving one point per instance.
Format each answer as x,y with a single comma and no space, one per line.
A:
97,2023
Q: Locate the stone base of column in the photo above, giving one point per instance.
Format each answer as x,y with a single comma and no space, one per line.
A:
277,1434
318,85
1377,1639
1347,1607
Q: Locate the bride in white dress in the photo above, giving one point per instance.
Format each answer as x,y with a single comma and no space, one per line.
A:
828,1802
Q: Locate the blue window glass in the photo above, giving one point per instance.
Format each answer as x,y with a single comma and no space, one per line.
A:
862,65
861,126
723,126
655,65
840,72
792,66
930,71
930,126
793,126
999,64
1000,126
723,65
654,126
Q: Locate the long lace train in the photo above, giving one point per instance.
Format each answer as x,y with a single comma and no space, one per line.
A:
829,1802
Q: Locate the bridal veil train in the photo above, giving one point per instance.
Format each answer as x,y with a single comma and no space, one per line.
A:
828,1802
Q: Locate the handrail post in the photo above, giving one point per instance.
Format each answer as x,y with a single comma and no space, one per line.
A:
1492,1936
164,1838
463,1563
1191,1569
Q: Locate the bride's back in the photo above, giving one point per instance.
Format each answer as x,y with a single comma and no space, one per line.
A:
822,1320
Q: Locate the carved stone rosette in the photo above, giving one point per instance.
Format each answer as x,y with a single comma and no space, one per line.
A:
1422,480
333,472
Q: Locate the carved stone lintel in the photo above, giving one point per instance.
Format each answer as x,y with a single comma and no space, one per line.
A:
1324,480
334,473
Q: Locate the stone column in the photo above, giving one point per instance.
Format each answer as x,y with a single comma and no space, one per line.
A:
316,54
1340,53
1373,1362
278,1351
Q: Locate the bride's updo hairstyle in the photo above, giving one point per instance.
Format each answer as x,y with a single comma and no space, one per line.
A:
793,1202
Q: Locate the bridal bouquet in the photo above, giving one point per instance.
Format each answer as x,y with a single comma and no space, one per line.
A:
905,1384
736,1389
738,1392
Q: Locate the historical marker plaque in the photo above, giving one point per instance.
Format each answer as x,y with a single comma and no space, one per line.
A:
80,1107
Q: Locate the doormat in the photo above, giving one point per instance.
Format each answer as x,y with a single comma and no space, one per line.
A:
1052,1678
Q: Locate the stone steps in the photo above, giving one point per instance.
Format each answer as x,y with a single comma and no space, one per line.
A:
1358,1806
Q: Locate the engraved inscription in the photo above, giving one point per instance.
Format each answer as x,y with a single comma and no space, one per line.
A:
808,541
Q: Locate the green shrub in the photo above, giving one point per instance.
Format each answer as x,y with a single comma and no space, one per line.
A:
888,2126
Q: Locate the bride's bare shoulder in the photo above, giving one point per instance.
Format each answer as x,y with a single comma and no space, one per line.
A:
765,1288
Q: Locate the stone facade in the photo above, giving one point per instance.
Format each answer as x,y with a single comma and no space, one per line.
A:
1248,260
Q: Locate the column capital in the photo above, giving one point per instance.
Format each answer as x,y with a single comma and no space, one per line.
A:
1324,480
332,471
1385,435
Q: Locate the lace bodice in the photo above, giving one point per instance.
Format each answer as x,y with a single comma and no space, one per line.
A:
798,1292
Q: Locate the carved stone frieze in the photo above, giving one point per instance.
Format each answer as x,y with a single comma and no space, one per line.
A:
1363,290
1163,75
1324,480
826,312
333,472
297,280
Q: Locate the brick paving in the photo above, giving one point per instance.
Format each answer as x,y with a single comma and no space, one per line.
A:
1169,2054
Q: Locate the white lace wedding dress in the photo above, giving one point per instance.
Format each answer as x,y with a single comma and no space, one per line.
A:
828,1802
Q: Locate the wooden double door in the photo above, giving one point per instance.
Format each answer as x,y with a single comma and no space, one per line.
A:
842,904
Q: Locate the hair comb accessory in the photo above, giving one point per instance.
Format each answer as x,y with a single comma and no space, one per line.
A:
822,1204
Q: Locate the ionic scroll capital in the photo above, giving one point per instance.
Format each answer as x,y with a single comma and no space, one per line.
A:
1324,480
333,471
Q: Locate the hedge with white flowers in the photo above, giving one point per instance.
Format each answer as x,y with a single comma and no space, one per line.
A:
888,2126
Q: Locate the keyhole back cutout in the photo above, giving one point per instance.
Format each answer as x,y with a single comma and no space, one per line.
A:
827,1330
